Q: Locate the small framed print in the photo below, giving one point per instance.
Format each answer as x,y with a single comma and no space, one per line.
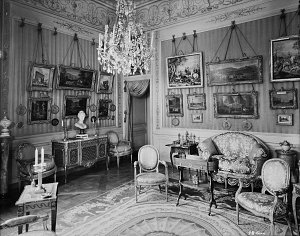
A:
283,99
39,110
285,119
41,77
197,118
105,83
196,101
174,105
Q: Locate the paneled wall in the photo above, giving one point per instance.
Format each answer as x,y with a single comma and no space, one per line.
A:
258,33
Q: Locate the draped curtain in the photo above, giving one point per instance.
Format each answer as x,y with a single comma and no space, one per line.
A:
136,88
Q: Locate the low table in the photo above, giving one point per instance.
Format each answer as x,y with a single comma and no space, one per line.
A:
209,167
29,200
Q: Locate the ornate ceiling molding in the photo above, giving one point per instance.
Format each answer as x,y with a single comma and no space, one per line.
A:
80,11
163,13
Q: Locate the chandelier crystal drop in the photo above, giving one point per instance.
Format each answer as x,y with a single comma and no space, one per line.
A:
125,48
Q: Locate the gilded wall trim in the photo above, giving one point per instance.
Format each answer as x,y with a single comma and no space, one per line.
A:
73,27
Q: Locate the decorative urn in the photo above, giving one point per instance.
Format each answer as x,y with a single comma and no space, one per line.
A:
5,123
285,146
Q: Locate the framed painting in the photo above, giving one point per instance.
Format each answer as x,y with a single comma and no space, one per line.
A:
185,71
284,119
105,83
285,61
174,105
236,105
283,99
74,78
196,101
235,71
103,108
39,110
74,104
41,77
197,118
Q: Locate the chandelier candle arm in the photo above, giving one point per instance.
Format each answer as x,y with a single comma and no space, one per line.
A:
124,47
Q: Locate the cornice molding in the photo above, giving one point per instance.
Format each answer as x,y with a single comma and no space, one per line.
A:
84,12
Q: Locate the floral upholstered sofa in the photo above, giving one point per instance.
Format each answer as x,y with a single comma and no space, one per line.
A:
240,155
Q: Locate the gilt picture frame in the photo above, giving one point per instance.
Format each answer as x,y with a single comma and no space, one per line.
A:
285,62
103,108
197,118
39,110
285,119
75,78
283,99
105,83
235,71
185,71
174,105
236,105
41,77
196,101
74,104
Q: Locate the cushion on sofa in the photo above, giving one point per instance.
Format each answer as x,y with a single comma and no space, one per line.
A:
233,165
257,151
207,148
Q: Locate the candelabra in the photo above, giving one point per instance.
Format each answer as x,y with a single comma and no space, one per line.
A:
39,168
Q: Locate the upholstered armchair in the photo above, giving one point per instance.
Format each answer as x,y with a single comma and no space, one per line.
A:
275,177
118,148
26,220
25,157
148,174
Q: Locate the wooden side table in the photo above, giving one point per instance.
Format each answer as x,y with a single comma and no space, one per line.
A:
291,158
296,194
29,200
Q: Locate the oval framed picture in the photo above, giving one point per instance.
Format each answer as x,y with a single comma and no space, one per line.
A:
226,124
246,125
93,108
175,121
112,107
54,109
93,119
21,110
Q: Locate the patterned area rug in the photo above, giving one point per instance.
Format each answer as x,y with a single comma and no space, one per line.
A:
116,213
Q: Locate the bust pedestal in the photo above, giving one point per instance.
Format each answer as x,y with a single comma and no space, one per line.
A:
291,158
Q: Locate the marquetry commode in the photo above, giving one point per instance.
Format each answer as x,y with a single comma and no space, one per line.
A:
79,152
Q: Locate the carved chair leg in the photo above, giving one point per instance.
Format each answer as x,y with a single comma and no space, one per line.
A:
225,182
118,161
136,190
272,227
131,158
159,188
167,192
19,186
54,177
252,187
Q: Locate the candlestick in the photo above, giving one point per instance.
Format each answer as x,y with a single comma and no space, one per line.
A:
39,168
42,156
36,154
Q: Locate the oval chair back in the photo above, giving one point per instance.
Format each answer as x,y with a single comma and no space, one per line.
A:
148,157
275,175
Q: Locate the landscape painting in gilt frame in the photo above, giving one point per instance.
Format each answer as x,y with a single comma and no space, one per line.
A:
39,110
283,99
185,71
174,105
41,77
235,71
236,105
74,104
74,78
196,101
285,59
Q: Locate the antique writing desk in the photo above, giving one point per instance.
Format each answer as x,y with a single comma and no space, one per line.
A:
29,200
209,167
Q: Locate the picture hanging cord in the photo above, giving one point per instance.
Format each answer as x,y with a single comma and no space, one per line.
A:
175,48
283,21
79,49
232,28
39,41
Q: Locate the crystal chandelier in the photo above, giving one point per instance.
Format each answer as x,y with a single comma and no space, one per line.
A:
125,48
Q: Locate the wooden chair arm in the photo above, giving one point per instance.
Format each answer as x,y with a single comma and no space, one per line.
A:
166,167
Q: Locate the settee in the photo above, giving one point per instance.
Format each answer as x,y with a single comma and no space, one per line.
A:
239,154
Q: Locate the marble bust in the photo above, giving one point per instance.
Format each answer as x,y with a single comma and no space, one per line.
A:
80,123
